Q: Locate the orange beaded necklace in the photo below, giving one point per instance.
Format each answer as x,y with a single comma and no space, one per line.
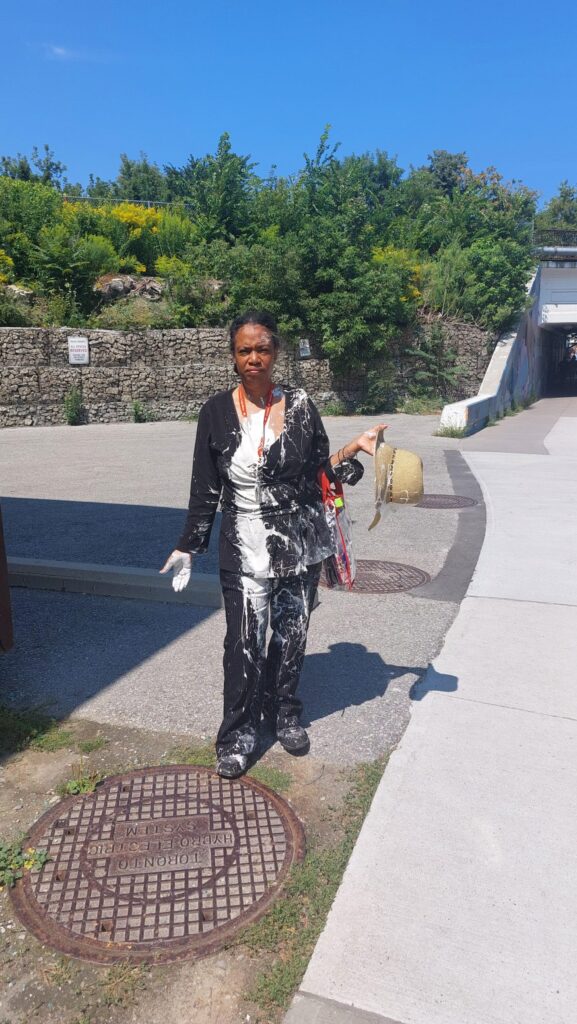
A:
268,407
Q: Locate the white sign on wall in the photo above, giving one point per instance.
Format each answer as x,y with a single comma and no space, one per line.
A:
78,353
304,348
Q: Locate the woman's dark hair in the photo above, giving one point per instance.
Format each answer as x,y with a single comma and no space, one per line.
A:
255,316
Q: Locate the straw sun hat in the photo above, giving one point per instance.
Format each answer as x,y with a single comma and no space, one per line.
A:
398,476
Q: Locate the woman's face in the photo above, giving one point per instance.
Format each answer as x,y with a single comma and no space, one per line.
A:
254,354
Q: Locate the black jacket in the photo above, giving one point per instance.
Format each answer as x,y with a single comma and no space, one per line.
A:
289,531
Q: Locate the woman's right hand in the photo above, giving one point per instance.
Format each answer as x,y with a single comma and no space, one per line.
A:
366,441
181,564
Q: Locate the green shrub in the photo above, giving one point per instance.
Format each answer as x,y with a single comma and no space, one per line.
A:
25,209
379,394
336,408
137,314
140,414
175,231
96,255
12,313
130,265
73,408
56,310
67,264
432,365
6,267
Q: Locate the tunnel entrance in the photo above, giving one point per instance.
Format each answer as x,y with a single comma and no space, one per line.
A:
556,250
560,348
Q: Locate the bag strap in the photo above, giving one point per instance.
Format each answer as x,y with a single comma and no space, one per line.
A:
330,489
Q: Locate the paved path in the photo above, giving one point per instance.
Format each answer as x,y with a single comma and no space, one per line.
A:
115,493
459,905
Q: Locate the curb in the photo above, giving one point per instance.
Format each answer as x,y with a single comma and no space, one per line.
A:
309,1009
112,581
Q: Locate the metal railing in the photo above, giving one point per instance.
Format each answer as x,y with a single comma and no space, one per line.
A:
106,201
546,237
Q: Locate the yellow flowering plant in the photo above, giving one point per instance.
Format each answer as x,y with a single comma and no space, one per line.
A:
14,861
6,267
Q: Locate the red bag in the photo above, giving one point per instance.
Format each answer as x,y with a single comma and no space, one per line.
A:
340,568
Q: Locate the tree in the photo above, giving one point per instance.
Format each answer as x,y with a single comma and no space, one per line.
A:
138,180
561,210
49,171
495,281
448,171
219,190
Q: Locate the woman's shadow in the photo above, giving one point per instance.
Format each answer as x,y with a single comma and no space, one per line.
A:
350,675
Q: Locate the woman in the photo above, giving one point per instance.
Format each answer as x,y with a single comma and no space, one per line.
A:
258,450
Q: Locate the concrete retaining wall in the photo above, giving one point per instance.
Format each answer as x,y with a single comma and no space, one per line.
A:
517,372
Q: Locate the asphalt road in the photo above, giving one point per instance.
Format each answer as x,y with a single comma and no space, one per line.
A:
116,494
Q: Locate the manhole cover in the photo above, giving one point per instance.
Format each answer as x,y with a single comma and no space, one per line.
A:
156,865
375,577
446,501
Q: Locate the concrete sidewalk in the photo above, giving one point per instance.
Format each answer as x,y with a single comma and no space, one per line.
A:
459,905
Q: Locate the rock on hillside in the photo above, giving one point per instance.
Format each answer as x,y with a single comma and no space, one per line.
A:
117,286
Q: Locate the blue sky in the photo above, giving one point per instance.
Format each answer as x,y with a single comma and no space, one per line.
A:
493,79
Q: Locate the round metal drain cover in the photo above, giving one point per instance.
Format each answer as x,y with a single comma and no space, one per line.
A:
158,864
446,501
375,577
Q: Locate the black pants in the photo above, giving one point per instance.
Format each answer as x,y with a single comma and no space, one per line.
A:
258,681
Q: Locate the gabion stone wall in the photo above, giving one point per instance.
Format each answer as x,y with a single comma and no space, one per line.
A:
169,372
473,347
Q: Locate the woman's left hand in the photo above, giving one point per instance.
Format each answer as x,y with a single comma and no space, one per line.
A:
365,442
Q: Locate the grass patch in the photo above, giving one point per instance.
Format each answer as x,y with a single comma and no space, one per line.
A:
203,756
59,973
272,777
53,739
88,746
528,401
450,432
420,406
293,924
32,727
81,782
335,409
14,861
121,984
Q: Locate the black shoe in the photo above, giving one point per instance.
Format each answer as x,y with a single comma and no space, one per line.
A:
291,735
233,761
231,766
